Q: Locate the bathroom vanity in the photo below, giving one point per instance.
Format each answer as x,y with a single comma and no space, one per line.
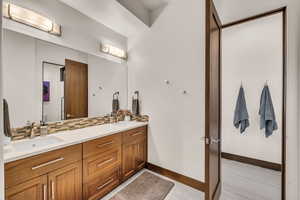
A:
80,164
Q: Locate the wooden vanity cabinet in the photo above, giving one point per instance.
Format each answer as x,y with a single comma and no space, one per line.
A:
134,151
55,175
35,189
66,183
85,171
101,166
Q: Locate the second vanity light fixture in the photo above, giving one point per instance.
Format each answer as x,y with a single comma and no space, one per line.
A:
114,51
30,18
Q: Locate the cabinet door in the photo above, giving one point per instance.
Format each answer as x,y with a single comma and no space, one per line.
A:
134,157
129,160
35,189
141,154
66,183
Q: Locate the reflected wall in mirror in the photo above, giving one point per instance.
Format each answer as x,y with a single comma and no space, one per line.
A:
28,61
53,92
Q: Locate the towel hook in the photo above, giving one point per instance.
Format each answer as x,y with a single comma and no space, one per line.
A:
137,94
116,94
266,84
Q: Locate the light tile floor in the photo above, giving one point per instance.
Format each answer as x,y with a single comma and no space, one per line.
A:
248,182
240,182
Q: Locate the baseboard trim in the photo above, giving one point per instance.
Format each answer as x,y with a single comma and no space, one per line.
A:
252,161
198,185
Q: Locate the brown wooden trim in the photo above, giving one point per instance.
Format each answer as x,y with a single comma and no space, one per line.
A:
198,185
272,12
211,11
282,10
252,161
284,52
207,90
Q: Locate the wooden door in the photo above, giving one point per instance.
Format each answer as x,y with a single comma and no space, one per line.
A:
76,89
129,160
66,183
35,189
213,105
141,154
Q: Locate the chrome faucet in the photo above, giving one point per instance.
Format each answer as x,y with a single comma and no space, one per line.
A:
32,128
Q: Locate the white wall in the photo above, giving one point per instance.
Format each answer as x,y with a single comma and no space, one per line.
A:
1,119
22,74
79,31
252,54
173,49
231,10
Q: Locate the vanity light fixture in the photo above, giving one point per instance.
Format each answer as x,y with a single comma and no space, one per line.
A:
30,18
114,51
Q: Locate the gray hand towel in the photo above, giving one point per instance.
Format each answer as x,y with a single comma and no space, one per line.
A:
7,128
115,105
241,117
266,112
135,106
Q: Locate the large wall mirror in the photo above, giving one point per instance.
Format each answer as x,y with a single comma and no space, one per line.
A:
47,82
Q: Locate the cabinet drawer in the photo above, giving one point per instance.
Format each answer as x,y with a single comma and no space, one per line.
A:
95,166
28,168
135,134
101,145
101,185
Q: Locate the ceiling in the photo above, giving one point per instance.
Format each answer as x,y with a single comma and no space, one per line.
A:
110,13
127,17
153,4
232,10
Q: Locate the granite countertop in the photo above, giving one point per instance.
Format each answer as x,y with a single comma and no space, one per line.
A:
17,150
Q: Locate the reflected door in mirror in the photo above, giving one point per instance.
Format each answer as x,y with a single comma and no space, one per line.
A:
76,89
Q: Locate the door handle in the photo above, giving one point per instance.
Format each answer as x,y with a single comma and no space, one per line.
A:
215,141
210,140
69,115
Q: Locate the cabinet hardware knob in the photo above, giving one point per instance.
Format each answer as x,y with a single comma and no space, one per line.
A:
47,163
105,184
44,192
52,190
105,162
105,144
138,133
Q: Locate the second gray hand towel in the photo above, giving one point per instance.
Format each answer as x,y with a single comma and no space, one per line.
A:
241,117
266,112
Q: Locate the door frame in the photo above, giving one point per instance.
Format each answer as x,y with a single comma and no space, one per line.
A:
211,10
282,10
43,66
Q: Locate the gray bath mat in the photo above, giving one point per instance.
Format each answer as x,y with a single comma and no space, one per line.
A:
146,187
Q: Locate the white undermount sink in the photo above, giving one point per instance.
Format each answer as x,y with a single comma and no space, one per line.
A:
122,123
35,143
